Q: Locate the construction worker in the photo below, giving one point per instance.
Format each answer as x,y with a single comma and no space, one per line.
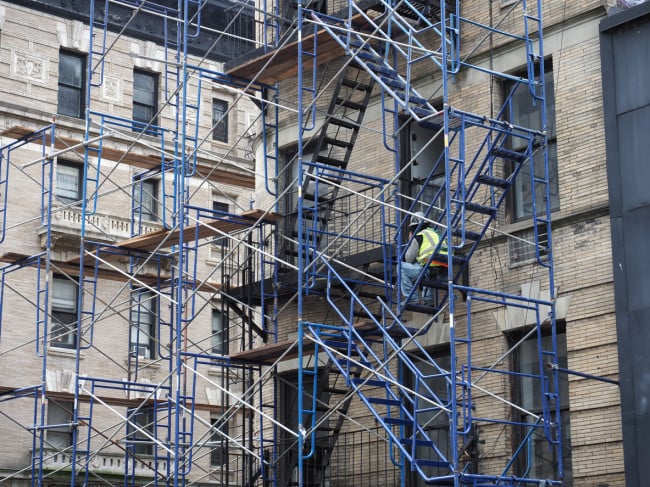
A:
418,253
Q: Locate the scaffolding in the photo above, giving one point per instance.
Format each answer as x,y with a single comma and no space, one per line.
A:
328,233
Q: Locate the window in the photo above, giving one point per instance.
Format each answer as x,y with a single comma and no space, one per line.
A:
140,430
68,182
220,120
71,96
64,313
145,199
536,459
59,419
522,112
219,339
145,101
221,209
143,323
219,452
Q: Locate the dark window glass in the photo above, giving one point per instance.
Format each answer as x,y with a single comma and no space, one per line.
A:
145,100
59,419
219,343
523,112
64,313
219,452
220,207
71,94
220,120
140,429
143,323
146,200
68,182
537,460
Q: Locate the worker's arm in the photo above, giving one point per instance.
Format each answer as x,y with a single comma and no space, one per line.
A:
413,249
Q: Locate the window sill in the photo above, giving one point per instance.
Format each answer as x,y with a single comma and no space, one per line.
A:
65,352
144,363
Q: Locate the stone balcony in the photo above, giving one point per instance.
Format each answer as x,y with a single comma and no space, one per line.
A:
99,227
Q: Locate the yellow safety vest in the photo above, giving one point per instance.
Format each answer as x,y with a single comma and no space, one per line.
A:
429,243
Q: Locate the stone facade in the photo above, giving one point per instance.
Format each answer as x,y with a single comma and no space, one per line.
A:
36,221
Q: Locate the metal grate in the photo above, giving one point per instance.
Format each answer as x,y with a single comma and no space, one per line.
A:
522,247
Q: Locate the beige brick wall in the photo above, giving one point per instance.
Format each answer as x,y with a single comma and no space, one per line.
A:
582,252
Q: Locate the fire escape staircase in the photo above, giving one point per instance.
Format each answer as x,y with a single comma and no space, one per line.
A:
326,415
332,148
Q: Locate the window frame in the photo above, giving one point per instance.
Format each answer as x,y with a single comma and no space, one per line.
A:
519,397
137,442
141,120
59,437
219,336
62,316
220,242
65,85
144,304
147,212
78,169
220,120
520,197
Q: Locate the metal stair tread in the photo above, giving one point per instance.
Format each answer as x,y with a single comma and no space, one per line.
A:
378,68
398,421
348,124
350,83
478,208
337,142
469,234
369,382
508,154
345,102
493,181
384,401
418,442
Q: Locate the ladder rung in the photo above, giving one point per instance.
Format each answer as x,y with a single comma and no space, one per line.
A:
344,102
338,143
350,83
348,124
331,161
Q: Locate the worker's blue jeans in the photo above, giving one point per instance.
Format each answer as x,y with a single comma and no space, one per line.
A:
410,272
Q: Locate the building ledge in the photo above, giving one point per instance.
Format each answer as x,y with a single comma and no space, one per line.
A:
103,463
